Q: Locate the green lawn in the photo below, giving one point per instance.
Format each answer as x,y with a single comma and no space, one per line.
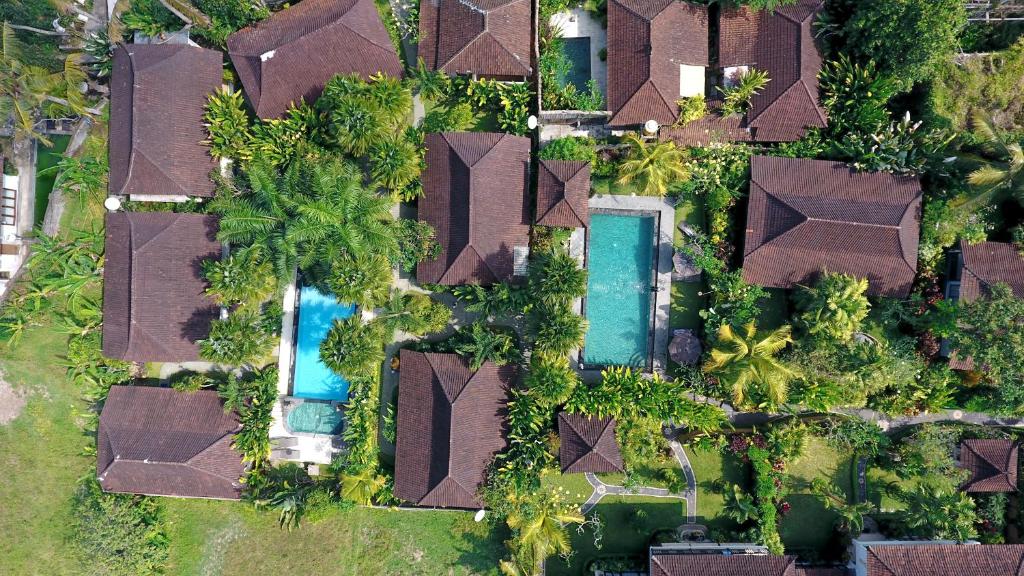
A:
877,480
47,158
709,468
809,526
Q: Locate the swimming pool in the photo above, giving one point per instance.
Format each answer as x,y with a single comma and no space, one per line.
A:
618,304
315,418
577,52
312,378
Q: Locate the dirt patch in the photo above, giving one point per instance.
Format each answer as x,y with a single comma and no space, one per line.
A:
11,401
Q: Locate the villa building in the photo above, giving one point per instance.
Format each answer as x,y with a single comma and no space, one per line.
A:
154,302
156,121
476,196
992,464
161,442
290,56
810,216
931,558
488,38
452,422
708,559
14,224
657,54
588,444
563,193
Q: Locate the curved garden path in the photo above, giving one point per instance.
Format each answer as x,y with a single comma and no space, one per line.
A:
602,489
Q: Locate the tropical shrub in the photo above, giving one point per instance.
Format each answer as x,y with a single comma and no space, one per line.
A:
936,510
579,148
236,340
721,175
227,16
652,166
944,223
902,147
768,477
117,534
835,307
431,84
227,124
244,279
395,162
554,65
990,84
736,98
255,397
854,95
353,348
732,300
361,114
691,109
501,299
855,435
416,242
455,118
480,343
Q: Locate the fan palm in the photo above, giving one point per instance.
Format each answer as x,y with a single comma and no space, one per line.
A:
1005,173
652,166
746,362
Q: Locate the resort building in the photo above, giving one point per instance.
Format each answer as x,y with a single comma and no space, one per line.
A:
489,38
154,302
657,54
992,464
689,559
452,422
563,192
588,444
14,224
924,558
290,56
162,442
810,216
158,94
476,196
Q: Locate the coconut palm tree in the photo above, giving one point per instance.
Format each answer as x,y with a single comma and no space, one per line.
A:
936,511
1002,169
352,347
361,487
746,362
652,166
415,313
739,505
364,280
835,306
540,525
394,162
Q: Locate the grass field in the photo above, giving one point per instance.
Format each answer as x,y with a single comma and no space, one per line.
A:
710,467
47,158
809,526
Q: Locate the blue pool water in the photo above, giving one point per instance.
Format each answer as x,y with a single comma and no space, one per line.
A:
618,303
312,378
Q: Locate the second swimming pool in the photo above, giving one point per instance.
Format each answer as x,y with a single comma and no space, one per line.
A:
618,305
312,378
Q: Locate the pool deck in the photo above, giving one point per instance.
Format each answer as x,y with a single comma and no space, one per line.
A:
663,297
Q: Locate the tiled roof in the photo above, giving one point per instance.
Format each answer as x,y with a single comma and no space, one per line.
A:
163,442
782,44
722,565
588,444
647,42
452,421
484,37
809,216
992,463
476,197
158,94
154,306
987,264
563,191
291,55
946,560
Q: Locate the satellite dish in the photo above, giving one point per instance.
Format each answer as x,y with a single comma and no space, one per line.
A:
531,122
112,203
651,126
479,516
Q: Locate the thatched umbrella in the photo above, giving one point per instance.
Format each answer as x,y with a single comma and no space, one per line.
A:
685,348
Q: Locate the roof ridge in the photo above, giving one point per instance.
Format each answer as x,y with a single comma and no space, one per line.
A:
881,561
210,447
641,16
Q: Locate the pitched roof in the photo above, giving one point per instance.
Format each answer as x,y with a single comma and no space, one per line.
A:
722,565
992,463
158,94
563,191
588,444
647,42
154,306
451,423
163,442
476,197
484,37
987,264
946,560
809,216
782,44
291,55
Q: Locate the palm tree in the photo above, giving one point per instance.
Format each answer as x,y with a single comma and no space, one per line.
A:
557,331
552,380
935,511
246,278
394,163
361,487
290,501
359,125
851,516
415,313
233,393
236,340
739,505
353,348
557,278
432,85
364,280
482,344
1005,173
540,526
653,166
746,362
392,98
835,307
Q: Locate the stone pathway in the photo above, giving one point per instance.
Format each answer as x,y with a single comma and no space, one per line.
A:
601,489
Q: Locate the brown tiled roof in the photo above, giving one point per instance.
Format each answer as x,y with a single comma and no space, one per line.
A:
451,423
158,94
588,444
154,306
946,560
476,197
992,463
809,216
163,442
563,191
782,44
711,128
721,565
291,55
987,264
647,42
483,37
